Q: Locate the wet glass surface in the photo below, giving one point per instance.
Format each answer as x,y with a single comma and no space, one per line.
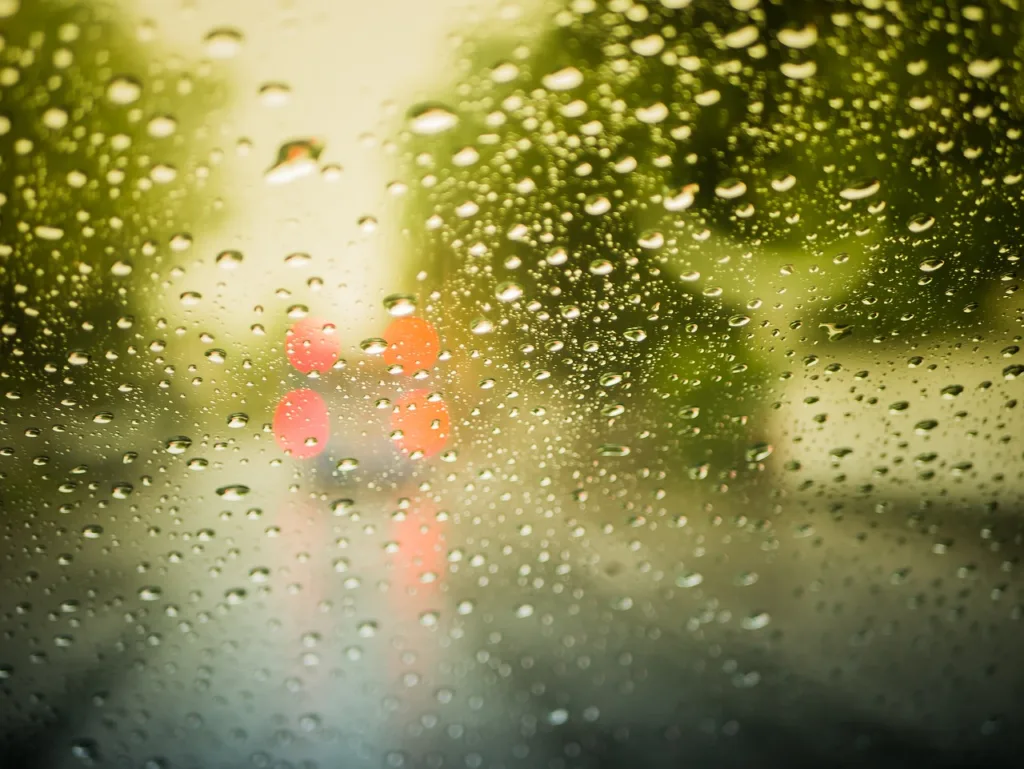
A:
602,383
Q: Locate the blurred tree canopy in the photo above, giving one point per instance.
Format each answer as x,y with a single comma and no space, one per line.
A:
101,141
734,185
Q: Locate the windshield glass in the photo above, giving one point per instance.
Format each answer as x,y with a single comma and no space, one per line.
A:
564,384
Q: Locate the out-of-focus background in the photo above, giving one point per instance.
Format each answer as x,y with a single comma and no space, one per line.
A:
538,384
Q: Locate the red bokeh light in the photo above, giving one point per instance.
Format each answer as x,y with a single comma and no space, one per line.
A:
420,537
300,416
312,344
413,344
425,424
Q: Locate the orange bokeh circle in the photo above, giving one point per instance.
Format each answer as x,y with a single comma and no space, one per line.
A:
413,344
425,423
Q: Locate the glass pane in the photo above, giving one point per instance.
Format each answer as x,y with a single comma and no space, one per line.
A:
601,383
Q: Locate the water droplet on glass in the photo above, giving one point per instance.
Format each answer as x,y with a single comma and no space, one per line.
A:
920,223
563,80
124,90
237,420
233,493
756,621
229,260
274,94
984,68
509,292
524,610
861,190
689,579
223,43
161,126
482,326
798,37
635,334
295,159
400,305
430,119
177,445
150,593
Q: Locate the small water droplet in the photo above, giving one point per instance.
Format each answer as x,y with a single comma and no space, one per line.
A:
223,43
430,119
563,80
124,90
400,305
232,493
229,260
509,291
238,419
524,610
177,445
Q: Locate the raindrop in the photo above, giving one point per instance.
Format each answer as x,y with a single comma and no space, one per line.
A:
984,68
731,189
597,205
223,43
229,260
509,291
635,334
799,70
177,445
373,346
295,159
563,80
482,326
861,190
920,223
524,610
400,305
742,37
690,579
430,119
233,493
124,90
274,94
238,419
759,452
798,37
756,621
161,126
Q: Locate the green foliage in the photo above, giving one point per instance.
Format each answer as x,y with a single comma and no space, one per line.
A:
781,139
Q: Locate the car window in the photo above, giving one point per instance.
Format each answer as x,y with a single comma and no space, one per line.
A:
557,383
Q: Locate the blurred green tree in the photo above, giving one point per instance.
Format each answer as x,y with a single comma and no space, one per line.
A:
734,185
